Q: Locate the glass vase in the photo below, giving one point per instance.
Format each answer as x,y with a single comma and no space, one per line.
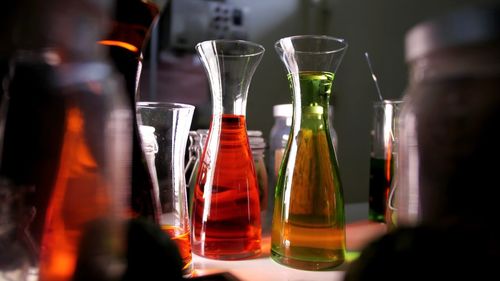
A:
308,229
226,211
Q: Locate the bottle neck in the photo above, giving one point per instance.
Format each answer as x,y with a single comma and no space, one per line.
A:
229,103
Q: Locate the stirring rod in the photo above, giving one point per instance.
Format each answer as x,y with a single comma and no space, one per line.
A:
373,76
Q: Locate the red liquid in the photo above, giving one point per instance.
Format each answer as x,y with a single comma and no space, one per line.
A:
183,241
230,228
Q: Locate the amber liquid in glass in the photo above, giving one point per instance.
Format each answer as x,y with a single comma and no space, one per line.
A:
226,215
79,198
183,241
316,239
308,230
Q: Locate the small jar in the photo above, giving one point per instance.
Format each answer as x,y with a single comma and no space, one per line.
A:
279,136
449,126
258,147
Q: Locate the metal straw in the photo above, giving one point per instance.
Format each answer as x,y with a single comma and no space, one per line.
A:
390,200
373,76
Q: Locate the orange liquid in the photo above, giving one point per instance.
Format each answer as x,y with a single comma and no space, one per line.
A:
183,240
226,215
79,197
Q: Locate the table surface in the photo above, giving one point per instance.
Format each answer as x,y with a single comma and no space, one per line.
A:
359,232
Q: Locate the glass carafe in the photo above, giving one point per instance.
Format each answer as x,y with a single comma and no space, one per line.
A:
308,229
226,210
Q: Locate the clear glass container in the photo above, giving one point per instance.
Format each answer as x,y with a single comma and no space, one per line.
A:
168,125
226,210
383,155
308,228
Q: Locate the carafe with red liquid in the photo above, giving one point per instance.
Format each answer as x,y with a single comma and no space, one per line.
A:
226,210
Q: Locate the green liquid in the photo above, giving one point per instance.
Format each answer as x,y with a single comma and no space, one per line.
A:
308,222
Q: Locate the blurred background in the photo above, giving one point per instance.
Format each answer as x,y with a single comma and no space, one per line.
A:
172,71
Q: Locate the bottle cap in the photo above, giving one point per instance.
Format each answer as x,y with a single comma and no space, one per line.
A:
254,133
283,110
149,143
256,140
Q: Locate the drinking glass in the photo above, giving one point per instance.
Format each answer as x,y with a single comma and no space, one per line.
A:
164,130
384,139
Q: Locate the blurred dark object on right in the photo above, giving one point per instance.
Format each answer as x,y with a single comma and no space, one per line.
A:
448,183
449,150
430,253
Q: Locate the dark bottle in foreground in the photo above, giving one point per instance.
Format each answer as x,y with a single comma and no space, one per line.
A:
131,26
65,141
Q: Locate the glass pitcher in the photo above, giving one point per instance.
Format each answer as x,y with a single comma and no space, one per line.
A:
226,211
308,229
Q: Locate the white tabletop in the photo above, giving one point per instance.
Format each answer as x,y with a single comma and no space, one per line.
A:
262,268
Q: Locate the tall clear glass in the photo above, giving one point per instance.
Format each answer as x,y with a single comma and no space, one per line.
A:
308,229
226,211
170,124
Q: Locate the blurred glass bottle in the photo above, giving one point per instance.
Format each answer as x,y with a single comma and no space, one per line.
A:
131,25
448,152
65,142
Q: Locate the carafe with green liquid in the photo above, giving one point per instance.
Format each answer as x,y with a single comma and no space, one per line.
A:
308,230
